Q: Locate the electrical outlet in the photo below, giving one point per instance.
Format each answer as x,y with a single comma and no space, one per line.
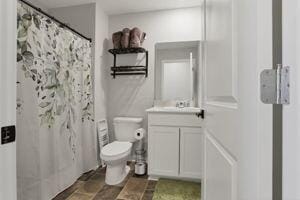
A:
8,134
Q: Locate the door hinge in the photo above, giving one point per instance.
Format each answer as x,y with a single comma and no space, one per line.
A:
275,85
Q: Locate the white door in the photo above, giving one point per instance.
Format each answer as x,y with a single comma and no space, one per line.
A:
191,143
163,150
291,113
238,135
8,96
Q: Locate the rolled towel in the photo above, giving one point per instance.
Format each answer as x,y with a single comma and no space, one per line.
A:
125,38
137,38
116,38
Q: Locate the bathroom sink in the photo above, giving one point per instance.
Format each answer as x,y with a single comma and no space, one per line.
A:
174,109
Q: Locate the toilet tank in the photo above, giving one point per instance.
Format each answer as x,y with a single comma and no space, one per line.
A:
125,127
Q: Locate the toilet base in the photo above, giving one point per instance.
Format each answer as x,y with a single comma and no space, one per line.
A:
116,174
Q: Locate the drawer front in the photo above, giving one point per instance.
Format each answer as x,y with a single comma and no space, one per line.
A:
169,119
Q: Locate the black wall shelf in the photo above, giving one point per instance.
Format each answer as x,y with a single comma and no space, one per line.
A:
128,70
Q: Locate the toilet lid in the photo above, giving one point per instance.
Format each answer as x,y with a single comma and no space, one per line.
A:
116,148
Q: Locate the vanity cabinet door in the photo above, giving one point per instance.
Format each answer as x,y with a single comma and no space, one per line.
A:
191,152
163,144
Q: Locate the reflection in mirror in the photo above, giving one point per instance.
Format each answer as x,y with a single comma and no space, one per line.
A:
176,81
176,67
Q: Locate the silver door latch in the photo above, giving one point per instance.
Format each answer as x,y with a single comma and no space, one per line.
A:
275,85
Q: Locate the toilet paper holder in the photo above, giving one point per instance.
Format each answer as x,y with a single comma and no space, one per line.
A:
140,165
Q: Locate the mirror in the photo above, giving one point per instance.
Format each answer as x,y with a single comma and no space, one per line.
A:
175,71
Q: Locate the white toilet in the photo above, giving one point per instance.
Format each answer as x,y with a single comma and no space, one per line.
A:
116,154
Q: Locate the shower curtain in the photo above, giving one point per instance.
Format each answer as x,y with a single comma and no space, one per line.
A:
56,140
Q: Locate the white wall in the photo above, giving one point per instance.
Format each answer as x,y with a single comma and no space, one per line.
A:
81,18
132,95
8,33
38,4
101,46
100,43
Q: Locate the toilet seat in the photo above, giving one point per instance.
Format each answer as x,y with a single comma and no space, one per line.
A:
116,150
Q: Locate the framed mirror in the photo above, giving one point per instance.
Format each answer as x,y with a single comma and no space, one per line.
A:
176,67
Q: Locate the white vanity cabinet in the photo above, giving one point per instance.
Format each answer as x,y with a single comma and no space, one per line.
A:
175,145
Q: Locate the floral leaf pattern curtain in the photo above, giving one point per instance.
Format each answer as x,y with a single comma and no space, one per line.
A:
56,141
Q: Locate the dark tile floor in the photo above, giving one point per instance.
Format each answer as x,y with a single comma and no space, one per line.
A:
91,186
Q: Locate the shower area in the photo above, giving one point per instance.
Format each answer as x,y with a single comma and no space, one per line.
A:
55,106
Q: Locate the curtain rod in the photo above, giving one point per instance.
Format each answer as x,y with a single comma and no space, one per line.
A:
56,20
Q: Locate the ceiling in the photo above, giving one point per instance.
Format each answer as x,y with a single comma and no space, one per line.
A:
112,7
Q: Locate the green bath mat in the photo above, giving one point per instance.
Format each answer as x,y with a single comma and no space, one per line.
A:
177,190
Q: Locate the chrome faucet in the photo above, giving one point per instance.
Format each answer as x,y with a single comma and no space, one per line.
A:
182,104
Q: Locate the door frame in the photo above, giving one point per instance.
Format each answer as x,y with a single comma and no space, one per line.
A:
8,87
290,115
277,108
